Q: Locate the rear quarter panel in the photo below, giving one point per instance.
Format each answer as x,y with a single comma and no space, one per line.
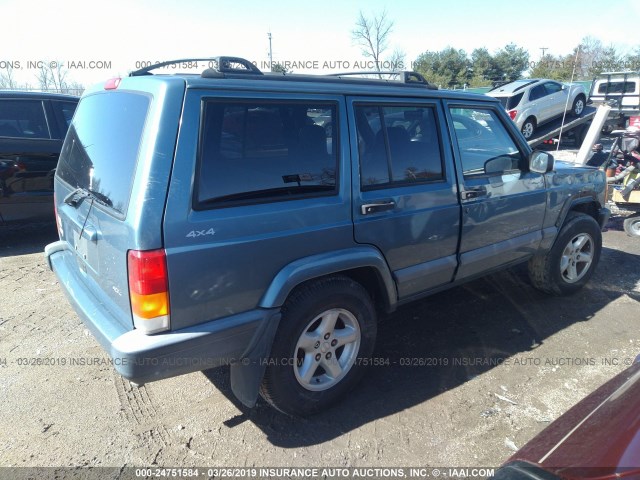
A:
227,264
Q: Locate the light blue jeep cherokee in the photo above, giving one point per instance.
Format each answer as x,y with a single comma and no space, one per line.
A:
266,221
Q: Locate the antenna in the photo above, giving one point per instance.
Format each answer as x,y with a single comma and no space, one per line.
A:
270,52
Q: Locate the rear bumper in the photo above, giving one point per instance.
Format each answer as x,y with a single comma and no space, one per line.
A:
144,358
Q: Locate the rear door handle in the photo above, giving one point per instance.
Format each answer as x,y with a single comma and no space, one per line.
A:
377,207
469,193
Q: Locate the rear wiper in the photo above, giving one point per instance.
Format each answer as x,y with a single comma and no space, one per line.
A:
76,197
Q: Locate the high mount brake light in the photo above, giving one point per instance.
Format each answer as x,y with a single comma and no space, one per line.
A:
112,83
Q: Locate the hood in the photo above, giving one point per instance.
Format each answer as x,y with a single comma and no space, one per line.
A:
597,438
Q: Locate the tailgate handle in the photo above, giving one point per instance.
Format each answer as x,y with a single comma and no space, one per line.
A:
377,207
91,233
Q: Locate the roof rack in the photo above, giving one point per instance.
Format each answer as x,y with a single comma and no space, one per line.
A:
406,76
218,66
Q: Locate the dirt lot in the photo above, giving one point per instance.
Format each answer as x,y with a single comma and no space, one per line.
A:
496,336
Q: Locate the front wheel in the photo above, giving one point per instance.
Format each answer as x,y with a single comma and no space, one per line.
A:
578,106
570,263
326,333
528,128
632,226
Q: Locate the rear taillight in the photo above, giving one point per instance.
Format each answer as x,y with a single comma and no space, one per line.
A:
58,219
512,114
112,83
149,290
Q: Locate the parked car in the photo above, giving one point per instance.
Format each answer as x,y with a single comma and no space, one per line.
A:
207,220
32,128
531,102
621,91
596,439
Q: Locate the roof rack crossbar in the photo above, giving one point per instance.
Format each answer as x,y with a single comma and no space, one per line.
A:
220,65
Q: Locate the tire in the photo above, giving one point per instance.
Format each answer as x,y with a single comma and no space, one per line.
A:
328,329
632,225
578,106
528,128
570,263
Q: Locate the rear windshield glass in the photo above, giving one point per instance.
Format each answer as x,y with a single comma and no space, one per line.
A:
617,87
100,150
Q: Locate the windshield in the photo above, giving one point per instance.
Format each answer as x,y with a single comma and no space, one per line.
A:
100,150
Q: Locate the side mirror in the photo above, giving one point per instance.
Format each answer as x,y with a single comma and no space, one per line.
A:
564,87
540,162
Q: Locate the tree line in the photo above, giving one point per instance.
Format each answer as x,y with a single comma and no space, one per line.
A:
455,68
50,77
451,68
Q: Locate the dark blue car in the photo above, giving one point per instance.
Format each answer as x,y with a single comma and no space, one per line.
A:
32,128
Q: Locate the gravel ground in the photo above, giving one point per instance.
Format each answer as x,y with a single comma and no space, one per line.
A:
493,363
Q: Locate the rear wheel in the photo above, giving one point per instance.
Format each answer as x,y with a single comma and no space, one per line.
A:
528,127
632,225
327,328
568,266
578,106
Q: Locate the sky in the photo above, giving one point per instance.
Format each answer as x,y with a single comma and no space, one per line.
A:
99,40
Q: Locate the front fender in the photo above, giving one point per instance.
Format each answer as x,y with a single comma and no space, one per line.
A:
327,263
584,201
582,198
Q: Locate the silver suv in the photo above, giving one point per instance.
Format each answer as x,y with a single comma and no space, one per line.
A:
531,102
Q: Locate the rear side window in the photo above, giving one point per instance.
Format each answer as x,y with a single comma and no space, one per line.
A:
23,119
67,109
398,144
100,151
266,151
514,101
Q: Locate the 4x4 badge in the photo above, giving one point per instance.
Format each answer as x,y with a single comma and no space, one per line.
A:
200,233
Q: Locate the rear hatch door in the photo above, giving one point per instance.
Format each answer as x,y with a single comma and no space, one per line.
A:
94,182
